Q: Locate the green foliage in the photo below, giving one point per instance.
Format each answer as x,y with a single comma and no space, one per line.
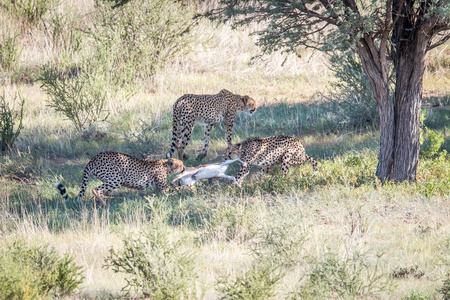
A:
154,264
257,283
353,99
10,52
432,144
63,32
430,140
80,96
278,247
445,289
31,272
142,140
353,275
10,121
282,240
135,38
230,222
31,12
417,295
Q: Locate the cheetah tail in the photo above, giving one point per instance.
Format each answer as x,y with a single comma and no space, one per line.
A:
62,190
312,162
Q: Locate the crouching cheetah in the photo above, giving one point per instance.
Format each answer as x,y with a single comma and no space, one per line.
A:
117,169
267,153
207,110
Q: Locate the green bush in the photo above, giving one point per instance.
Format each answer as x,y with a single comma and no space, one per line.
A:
9,52
35,272
352,98
30,12
135,38
430,140
63,32
80,97
282,240
142,139
346,277
257,283
445,289
432,144
154,264
10,121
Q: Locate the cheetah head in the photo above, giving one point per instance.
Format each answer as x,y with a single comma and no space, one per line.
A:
232,152
173,166
248,105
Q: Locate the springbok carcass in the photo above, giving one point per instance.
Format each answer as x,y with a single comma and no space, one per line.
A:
217,170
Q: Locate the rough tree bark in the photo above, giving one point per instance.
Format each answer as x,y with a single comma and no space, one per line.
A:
379,82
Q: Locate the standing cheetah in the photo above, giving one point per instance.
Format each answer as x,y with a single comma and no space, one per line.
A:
267,153
207,110
117,169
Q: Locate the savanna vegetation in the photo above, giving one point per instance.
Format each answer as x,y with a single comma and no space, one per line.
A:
80,77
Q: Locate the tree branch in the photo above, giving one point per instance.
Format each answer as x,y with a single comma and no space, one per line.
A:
438,43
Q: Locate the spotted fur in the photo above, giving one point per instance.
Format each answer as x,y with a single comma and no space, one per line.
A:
117,169
207,110
267,153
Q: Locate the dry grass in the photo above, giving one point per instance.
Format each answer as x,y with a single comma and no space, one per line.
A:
342,208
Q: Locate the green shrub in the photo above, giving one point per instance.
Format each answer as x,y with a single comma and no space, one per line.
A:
154,264
417,295
9,52
34,272
10,121
430,140
30,12
142,139
135,38
230,221
63,32
282,240
257,283
445,289
352,98
351,276
432,144
80,96
278,246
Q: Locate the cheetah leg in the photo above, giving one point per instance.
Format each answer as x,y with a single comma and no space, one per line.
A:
161,185
101,192
186,133
206,142
176,136
286,163
242,173
229,121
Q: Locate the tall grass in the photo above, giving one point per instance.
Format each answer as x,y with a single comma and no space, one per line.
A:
304,235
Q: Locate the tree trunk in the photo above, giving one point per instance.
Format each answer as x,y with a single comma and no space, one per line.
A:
377,73
410,66
407,122
387,138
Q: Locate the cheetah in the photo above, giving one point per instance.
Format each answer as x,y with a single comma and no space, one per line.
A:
207,110
118,169
267,153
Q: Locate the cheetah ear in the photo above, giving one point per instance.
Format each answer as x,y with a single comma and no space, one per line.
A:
170,161
245,99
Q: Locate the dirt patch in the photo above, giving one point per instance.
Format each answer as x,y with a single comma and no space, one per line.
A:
60,161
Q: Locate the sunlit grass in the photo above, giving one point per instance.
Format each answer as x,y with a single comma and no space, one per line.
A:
335,212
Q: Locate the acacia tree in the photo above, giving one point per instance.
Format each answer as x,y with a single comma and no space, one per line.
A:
384,34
